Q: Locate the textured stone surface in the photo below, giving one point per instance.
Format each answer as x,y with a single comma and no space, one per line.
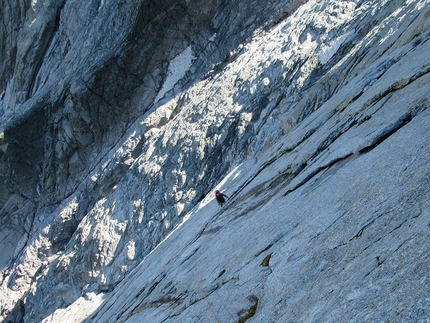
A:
118,121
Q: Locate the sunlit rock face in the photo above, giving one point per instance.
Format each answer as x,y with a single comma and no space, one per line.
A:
119,121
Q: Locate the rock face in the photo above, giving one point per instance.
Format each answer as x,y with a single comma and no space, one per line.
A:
120,119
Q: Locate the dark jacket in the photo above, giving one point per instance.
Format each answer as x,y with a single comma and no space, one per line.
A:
220,197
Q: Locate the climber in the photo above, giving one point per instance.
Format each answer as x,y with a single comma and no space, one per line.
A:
220,198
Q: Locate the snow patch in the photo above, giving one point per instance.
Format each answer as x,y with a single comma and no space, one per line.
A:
177,69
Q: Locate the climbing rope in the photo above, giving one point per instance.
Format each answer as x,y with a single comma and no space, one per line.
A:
223,305
201,287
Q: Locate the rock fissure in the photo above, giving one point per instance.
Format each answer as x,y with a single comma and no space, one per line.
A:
168,299
51,28
386,133
329,101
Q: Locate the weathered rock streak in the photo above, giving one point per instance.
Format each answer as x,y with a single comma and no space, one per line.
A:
118,121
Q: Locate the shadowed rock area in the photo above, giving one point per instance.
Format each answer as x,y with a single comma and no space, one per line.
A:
119,120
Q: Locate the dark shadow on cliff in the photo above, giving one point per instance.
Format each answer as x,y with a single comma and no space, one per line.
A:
17,314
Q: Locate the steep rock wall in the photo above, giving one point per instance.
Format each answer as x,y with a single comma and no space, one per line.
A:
135,112
77,80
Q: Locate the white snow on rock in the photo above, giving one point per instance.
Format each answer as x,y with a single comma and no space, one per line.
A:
178,66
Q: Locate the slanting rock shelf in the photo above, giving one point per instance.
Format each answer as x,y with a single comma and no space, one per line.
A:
119,121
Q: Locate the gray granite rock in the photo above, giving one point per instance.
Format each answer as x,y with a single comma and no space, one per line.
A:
119,120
